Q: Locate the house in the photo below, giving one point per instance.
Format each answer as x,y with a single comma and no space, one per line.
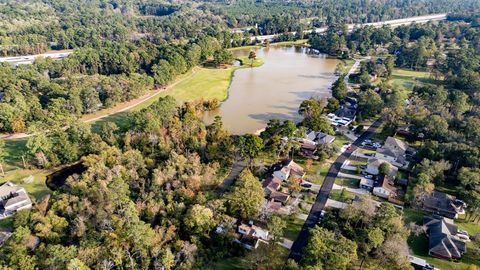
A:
385,188
271,187
373,165
250,235
442,242
367,184
394,151
443,204
12,199
288,168
318,138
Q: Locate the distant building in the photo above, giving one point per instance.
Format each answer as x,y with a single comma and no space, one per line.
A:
443,204
12,199
442,242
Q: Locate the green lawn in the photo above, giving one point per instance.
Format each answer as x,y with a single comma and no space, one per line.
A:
336,194
341,140
37,188
407,79
347,182
206,83
14,150
316,174
7,223
286,43
294,226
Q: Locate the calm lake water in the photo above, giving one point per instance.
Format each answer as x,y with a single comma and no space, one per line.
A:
274,90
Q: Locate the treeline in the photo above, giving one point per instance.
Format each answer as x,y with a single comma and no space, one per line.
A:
276,16
34,26
51,91
413,45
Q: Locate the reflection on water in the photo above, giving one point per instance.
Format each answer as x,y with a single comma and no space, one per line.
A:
274,90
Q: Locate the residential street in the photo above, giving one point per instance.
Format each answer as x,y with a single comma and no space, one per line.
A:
322,196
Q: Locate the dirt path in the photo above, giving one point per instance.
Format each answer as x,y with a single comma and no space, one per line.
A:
120,107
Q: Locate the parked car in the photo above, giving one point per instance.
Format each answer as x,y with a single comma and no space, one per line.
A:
369,176
306,185
322,214
377,145
369,154
463,236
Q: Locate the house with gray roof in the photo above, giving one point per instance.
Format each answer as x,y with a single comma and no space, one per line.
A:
442,240
443,204
394,151
12,199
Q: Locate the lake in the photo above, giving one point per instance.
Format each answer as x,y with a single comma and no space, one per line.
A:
290,75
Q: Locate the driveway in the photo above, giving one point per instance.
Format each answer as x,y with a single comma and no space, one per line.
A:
237,168
336,204
322,196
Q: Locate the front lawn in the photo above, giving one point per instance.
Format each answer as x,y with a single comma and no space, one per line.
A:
294,226
347,182
342,195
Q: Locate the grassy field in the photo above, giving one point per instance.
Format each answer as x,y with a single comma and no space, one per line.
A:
206,83
407,79
286,43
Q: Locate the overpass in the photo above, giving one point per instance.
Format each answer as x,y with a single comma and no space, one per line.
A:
391,23
29,59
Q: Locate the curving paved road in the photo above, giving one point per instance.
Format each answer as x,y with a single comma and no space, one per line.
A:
322,196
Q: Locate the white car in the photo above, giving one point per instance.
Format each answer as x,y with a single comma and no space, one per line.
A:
369,176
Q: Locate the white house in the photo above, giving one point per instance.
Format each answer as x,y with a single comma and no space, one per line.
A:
13,198
385,188
250,235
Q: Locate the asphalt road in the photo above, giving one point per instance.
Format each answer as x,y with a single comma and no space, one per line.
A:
322,196
237,168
